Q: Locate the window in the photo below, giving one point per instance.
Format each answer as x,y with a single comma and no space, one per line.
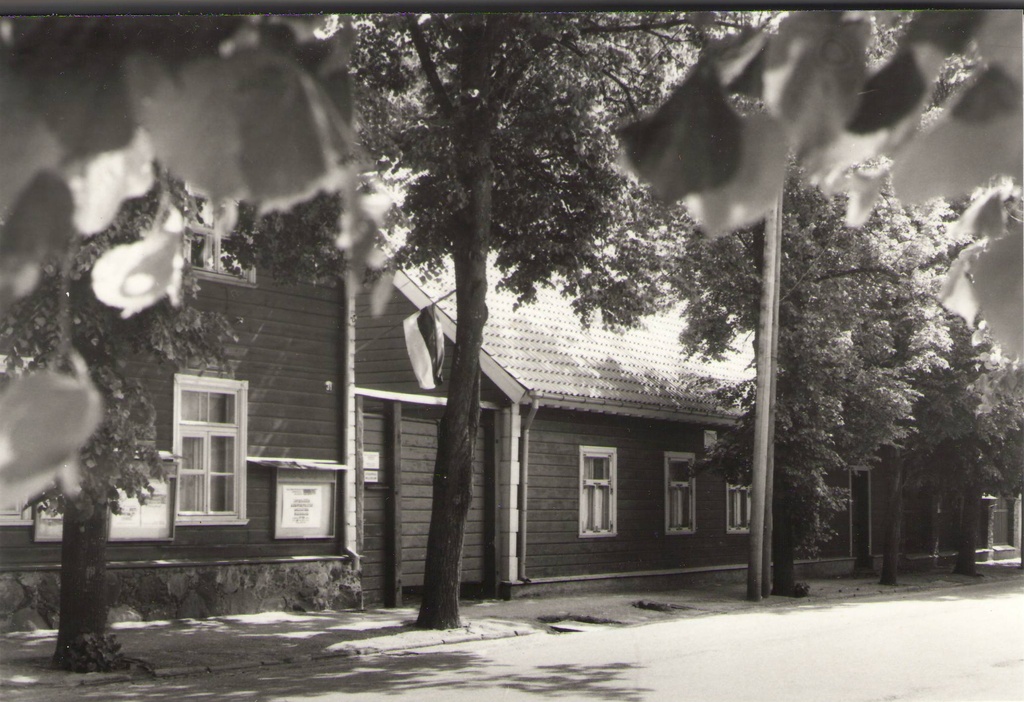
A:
210,438
597,491
680,495
737,509
205,252
14,512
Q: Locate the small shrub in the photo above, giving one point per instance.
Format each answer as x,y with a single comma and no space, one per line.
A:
801,590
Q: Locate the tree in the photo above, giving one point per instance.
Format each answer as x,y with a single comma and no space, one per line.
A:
243,109
62,322
811,87
503,159
959,451
857,320
850,114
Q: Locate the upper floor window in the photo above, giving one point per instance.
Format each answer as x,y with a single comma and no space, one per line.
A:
210,437
597,491
737,509
204,249
680,494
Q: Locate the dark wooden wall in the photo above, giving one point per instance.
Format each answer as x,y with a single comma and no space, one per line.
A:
286,348
554,545
418,451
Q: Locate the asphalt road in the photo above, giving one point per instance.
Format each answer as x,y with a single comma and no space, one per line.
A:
954,644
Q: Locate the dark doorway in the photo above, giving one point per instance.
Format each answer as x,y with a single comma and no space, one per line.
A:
1002,521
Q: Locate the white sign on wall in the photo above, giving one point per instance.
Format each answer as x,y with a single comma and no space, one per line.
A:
136,522
305,504
151,520
371,466
302,505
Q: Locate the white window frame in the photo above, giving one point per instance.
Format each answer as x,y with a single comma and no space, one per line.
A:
213,258
612,455
182,429
731,492
690,485
21,515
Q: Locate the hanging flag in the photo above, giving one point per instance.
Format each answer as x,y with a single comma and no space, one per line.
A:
424,341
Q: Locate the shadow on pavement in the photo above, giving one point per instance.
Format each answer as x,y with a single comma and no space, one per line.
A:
388,675
849,592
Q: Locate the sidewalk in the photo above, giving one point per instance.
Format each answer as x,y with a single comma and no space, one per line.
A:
190,646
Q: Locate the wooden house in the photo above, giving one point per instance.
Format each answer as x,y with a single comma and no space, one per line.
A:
583,468
302,470
259,510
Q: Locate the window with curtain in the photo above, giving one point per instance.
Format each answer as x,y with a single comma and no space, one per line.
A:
680,496
597,491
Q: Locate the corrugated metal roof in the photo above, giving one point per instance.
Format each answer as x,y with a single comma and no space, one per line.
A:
545,347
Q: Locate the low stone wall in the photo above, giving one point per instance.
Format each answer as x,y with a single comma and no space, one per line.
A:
31,599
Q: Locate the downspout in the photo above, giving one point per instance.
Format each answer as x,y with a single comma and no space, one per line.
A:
524,482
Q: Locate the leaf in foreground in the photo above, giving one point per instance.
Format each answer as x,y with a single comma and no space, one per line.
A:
135,276
690,144
38,225
981,136
753,189
998,277
249,127
45,418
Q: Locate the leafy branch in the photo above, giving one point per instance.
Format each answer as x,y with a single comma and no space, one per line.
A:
429,67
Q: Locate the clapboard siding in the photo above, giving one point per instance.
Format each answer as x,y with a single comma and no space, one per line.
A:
419,448
555,548
286,349
373,545
374,554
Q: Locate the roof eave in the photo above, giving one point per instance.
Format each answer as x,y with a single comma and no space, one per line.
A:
562,401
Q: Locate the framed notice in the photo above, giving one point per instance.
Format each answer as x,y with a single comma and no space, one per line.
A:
371,466
305,504
149,520
137,522
49,526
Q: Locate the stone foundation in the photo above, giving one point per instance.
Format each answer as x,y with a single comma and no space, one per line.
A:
31,599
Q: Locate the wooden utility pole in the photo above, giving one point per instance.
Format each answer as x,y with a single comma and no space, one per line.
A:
765,373
769,478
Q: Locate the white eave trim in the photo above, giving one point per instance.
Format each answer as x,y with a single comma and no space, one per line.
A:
513,389
412,399
296,463
555,401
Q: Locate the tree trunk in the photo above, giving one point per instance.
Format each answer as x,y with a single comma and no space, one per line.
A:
893,520
783,547
453,469
83,575
968,538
